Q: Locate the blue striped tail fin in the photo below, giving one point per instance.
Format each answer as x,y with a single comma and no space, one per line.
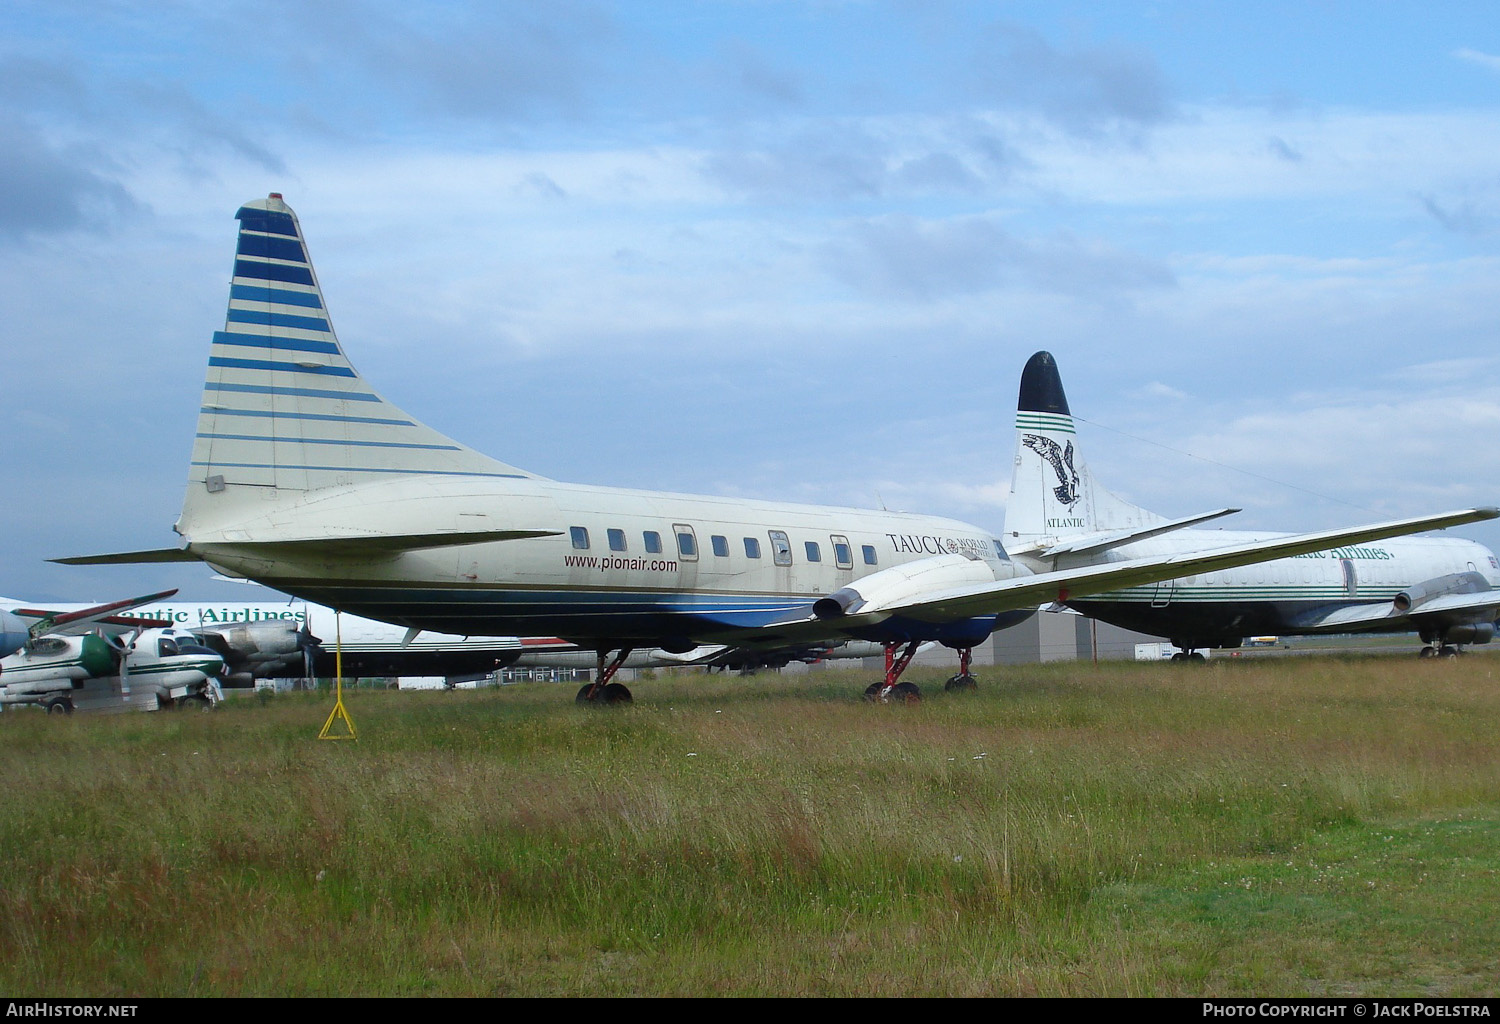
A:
283,408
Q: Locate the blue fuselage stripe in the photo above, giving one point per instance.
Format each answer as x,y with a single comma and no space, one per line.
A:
254,293
263,389
327,417
275,247
267,319
320,440
280,344
272,272
266,364
355,469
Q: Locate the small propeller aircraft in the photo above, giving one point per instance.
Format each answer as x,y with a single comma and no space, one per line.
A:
94,659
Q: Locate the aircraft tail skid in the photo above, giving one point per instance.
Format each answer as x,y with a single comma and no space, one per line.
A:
284,412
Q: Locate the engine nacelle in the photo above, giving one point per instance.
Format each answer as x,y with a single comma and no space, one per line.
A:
1473,633
1440,586
904,584
264,648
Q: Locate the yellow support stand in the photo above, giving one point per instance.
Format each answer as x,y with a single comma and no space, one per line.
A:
339,712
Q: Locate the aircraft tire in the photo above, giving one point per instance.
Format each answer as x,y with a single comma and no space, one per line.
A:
961,684
617,693
1196,656
1427,652
583,694
59,706
906,693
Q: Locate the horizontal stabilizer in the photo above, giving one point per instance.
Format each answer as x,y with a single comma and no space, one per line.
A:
389,544
370,544
130,557
1095,542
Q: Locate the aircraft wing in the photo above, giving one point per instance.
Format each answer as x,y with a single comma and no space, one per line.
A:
86,620
848,609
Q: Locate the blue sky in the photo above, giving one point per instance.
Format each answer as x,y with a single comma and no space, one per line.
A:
783,249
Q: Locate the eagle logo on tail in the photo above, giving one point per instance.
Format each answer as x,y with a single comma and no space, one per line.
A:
1062,464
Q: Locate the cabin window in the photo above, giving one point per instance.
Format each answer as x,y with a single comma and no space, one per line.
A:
752,547
781,548
617,540
843,555
580,535
868,550
687,542
720,545
653,542
813,553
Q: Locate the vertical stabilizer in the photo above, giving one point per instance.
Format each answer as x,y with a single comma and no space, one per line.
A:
1052,494
284,412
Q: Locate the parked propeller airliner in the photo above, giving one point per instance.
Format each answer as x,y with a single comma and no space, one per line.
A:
305,479
1445,589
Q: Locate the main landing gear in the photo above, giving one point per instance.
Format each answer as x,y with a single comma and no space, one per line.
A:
963,681
602,690
1440,651
892,691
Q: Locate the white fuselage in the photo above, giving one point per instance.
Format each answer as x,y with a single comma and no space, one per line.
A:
628,565
1281,596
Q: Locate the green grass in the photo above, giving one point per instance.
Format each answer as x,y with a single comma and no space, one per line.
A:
1250,827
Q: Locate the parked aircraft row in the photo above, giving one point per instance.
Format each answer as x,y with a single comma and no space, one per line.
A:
47,658
303,478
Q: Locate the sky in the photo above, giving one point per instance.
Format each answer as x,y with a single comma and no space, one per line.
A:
794,250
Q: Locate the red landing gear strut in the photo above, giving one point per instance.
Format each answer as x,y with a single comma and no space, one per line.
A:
601,690
962,681
890,690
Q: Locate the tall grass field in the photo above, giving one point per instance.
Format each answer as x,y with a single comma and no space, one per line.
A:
1291,826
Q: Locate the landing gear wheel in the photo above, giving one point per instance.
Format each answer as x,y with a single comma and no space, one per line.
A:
1448,652
612,693
1196,656
905,693
59,706
872,692
962,683
1427,652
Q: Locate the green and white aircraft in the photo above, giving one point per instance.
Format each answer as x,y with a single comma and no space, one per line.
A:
94,659
1445,589
305,479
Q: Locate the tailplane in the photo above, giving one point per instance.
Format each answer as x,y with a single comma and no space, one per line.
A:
284,412
1054,503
